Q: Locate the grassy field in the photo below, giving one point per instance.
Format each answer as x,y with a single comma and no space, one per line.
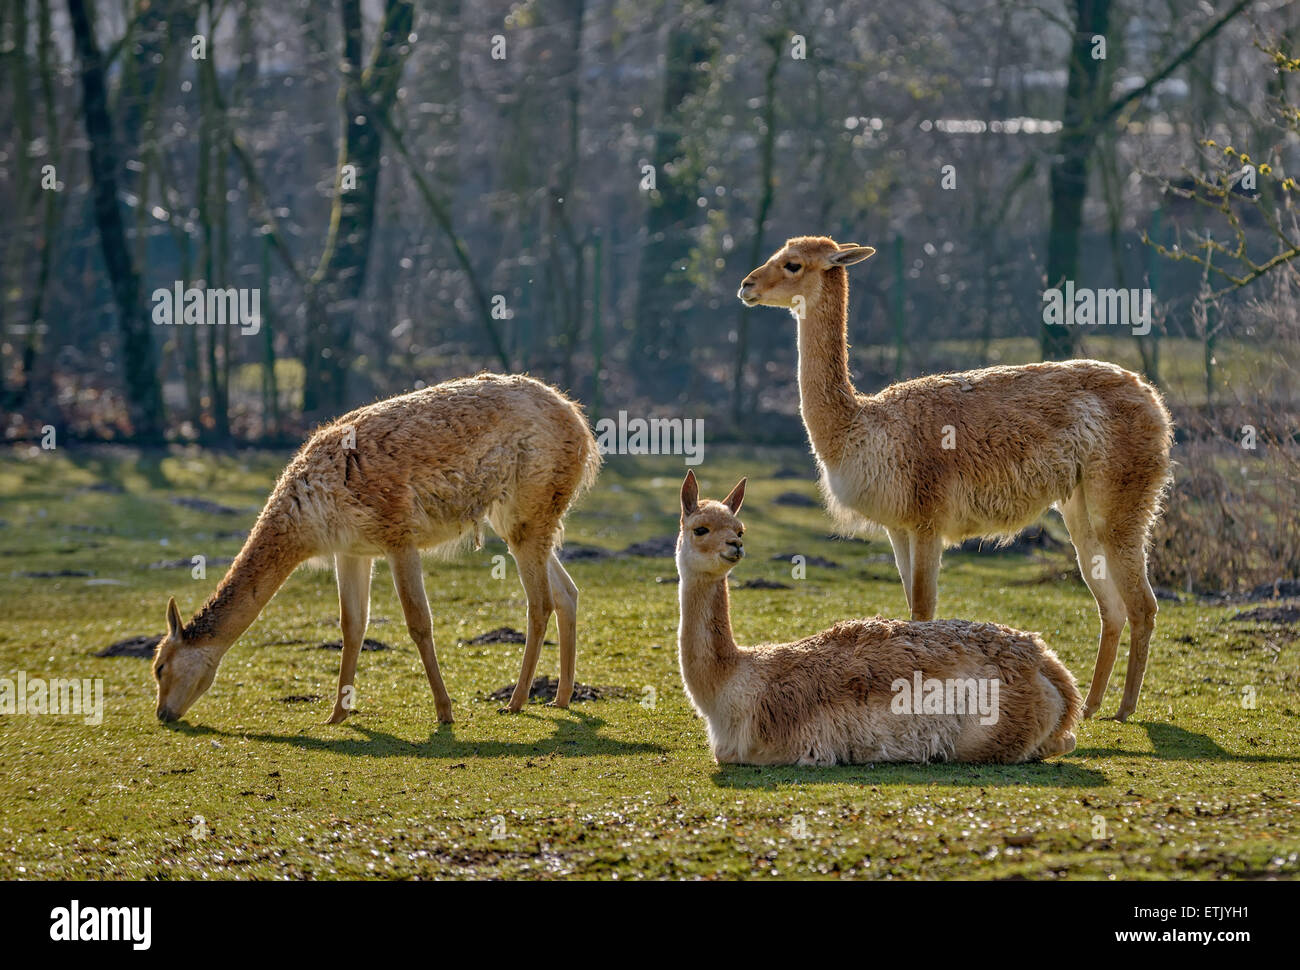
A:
252,784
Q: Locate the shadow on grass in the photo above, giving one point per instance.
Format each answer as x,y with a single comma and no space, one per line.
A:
1176,744
577,736
1050,774
1171,744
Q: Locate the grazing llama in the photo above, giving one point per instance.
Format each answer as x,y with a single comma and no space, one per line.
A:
981,453
833,698
417,471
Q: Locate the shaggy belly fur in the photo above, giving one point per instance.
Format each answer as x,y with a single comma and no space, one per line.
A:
876,735
834,698
999,508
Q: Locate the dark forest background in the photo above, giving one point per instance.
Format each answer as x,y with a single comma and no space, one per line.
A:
575,188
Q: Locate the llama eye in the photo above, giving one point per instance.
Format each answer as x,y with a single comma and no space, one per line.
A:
158,670
793,267
702,531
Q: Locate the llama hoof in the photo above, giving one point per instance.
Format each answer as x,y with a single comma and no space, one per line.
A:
508,709
339,716
1122,715
1064,745
556,703
1089,710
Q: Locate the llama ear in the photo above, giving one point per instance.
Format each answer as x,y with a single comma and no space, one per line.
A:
850,253
690,494
174,623
736,498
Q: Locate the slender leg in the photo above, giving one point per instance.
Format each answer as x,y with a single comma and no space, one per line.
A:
903,560
408,579
1096,573
353,574
565,594
1130,576
926,551
533,573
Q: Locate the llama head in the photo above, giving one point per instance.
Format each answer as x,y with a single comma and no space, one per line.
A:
792,278
182,669
710,542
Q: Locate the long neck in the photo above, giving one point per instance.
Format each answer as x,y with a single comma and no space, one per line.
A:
273,551
705,645
827,397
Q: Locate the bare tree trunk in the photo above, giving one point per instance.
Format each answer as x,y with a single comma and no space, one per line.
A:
1068,177
46,62
270,384
766,192
574,294
212,208
140,358
367,96
14,252
672,213
1085,113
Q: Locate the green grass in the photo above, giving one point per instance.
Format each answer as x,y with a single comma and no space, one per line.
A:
1195,786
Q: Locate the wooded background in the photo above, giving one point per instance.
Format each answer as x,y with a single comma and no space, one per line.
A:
575,188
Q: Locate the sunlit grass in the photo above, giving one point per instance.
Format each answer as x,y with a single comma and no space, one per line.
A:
1197,785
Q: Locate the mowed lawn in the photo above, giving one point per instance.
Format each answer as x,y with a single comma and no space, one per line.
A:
253,784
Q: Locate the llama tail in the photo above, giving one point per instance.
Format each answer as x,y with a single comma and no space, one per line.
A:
591,461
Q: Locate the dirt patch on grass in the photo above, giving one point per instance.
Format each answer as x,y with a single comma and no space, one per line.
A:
1287,615
1027,541
544,688
577,552
502,634
188,563
142,646
205,506
1051,576
1276,590
300,699
761,583
817,561
659,546
796,500
366,644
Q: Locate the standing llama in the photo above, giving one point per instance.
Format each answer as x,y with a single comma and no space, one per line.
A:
981,453
417,471
833,698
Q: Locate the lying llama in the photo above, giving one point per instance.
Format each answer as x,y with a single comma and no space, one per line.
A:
981,453
834,698
417,471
